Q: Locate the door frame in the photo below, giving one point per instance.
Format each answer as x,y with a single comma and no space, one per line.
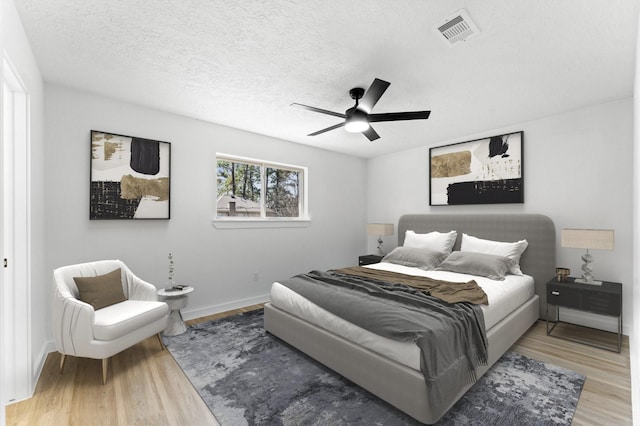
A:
15,244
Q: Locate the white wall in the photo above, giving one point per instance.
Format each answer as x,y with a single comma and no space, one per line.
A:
220,263
15,47
634,338
578,170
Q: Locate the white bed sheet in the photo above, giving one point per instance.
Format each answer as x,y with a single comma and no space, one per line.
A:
504,297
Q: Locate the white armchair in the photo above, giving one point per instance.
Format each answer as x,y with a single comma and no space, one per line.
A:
82,331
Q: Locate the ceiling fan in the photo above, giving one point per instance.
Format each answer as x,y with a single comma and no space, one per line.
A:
358,117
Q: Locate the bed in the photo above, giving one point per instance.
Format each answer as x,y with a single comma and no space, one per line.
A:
388,369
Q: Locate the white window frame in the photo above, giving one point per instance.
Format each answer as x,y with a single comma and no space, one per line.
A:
263,221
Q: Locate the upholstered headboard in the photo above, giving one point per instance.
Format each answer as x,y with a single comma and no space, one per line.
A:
538,260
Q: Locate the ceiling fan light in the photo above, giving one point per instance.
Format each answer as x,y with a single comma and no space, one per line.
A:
356,121
356,126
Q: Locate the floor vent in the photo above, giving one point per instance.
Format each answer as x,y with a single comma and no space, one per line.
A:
457,27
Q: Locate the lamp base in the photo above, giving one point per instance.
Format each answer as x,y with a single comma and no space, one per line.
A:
583,281
380,252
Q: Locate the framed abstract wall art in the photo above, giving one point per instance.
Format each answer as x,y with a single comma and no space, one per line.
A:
481,171
130,177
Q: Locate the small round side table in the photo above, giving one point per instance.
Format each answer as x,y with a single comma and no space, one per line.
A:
176,300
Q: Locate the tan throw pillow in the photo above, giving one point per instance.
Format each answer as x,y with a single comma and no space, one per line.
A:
102,290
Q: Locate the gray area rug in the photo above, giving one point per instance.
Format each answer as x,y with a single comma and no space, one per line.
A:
249,377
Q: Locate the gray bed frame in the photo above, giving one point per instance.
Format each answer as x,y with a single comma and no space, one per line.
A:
399,385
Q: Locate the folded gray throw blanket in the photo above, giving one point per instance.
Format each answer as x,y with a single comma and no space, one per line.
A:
451,336
451,292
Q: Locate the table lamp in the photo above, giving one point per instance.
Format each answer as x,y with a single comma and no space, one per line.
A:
380,229
588,239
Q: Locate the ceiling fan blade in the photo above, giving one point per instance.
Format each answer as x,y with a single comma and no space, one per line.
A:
397,116
373,95
326,130
371,134
320,110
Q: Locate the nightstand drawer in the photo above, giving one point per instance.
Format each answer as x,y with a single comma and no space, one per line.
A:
562,296
601,303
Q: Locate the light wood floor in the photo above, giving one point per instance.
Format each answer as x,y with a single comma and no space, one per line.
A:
146,387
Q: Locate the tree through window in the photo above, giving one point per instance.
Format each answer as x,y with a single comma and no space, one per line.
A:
257,189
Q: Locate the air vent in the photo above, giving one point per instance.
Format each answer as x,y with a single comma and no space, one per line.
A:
457,27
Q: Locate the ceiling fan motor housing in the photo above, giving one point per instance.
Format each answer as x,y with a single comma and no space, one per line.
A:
355,113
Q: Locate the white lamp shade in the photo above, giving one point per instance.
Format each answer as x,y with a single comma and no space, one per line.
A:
591,239
380,228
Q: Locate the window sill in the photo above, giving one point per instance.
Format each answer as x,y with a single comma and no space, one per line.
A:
259,223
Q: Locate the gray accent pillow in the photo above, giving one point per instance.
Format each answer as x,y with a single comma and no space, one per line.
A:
481,264
422,258
102,290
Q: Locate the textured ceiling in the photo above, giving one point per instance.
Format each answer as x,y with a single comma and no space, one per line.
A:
242,63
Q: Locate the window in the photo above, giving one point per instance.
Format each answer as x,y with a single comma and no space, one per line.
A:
249,189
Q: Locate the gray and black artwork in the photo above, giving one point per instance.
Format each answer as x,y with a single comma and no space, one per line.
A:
482,171
129,177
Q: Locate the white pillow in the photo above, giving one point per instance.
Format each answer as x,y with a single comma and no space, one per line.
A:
511,250
436,241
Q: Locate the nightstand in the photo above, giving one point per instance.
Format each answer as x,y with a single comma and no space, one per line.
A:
605,299
368,259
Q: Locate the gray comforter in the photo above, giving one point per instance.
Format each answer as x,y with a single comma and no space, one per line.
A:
451,337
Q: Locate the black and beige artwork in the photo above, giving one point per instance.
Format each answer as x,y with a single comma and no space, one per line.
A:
482,171
130,177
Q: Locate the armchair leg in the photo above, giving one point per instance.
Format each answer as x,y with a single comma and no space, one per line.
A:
105,363
63,358
160,340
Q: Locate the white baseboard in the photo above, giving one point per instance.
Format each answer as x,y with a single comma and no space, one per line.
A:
189,314
38,365
47,348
